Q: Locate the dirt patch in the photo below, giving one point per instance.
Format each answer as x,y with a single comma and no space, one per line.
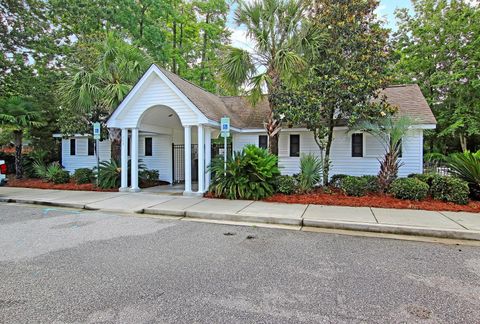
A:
319,197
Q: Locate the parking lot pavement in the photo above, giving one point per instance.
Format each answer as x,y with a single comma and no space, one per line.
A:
65,265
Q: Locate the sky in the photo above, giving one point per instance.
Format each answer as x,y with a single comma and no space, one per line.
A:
385,10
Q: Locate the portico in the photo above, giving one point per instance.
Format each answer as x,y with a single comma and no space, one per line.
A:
158,110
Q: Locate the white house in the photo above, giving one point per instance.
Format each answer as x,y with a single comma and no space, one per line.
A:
166,119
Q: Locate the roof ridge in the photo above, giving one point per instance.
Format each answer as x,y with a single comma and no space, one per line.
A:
402,85
180,77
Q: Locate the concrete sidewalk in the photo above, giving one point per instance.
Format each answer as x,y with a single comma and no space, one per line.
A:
396,221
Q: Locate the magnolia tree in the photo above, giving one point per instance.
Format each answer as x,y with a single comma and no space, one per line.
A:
343,80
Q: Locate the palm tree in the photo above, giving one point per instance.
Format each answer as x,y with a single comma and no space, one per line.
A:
94,92
18,115
389,130
275,26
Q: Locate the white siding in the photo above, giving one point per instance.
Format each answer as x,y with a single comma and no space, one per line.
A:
81,159
161,158
341,152
155,92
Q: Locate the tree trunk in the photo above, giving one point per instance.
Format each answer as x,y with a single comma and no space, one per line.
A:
204,51
115,143
326,160
273,127
463,141
18,154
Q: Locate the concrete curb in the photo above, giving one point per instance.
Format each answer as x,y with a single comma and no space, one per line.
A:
396,229
366,227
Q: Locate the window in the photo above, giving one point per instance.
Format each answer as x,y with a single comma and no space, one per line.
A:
91,147
148,146
128,146
263,141
357,145
294,145
73,146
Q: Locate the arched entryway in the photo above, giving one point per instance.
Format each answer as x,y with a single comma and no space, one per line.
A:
158,132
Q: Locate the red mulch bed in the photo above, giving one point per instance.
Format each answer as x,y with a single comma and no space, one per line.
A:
40,184
319,197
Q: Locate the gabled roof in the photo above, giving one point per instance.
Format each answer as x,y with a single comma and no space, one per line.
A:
407,98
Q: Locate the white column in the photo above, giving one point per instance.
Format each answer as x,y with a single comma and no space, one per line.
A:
201,159
134,154
188,158
124,160
208,155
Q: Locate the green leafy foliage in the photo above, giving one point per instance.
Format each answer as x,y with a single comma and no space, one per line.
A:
450,189
250,174
54,173
336,180
149,175
343,74
286,184
409,188
109,174
466,166
83,175
354,186
425,177
310,172
372,183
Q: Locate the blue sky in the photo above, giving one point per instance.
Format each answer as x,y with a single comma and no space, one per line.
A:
385,10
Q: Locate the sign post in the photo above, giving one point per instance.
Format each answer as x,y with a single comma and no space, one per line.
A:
225,133
96,137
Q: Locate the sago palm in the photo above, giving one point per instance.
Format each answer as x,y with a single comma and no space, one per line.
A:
275,27
18,115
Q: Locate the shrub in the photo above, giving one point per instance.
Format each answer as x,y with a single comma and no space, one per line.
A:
83,175
55,173
372,183
250,174
149,175
310,168
425,177
450,189
409,188
38,157
336,180
109,174
354,186
466,166
286,184
40,169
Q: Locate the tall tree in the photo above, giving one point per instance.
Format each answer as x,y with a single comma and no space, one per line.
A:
275,28
344,76
438,48
18,116
95,88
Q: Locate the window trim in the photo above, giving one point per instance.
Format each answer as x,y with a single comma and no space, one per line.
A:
74,147
266,136
290,145
145,146
363,145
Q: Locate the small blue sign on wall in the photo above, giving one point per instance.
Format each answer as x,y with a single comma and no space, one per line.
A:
96,131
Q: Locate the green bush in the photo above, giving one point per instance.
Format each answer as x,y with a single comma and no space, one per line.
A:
149,175
466,166
57,175
286,184
425,177
409,188
250,174
336,180
310,169
372,183
109,174
83,175
450,189
354,186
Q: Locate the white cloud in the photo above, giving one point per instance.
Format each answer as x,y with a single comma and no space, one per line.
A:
240,39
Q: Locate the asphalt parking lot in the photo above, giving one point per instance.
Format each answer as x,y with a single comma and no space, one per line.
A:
64,266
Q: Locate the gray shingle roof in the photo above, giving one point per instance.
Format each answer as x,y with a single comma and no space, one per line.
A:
407,98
